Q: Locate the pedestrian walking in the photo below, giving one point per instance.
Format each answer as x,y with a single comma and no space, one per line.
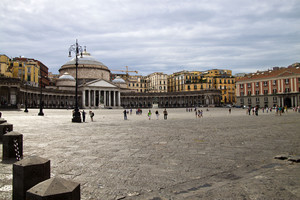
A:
125,114
157,114
165,114
149,114
92,115
83,115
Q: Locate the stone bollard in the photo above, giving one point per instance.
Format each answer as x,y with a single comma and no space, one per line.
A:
54,188
2,120
12,146
27,173
4,128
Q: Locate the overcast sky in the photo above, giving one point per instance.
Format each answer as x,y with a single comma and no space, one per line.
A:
155,35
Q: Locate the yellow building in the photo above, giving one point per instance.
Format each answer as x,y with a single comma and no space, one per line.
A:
188,81
195,80
5,65
26,70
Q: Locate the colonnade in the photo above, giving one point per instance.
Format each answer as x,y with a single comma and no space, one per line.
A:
168,100
48,100
95,98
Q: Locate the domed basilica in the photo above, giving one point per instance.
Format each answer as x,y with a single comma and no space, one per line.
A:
94,83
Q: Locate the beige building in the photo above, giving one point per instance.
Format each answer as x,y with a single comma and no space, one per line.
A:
157,82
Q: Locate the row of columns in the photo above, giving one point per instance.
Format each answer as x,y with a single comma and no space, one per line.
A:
171,101
95,98
49,100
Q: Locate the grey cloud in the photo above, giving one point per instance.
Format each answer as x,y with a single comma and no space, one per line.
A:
155,35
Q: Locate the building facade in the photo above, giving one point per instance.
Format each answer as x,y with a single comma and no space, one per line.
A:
157,82
279,86
222,80
171,99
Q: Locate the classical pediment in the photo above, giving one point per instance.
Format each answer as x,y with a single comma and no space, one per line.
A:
99,83
285,74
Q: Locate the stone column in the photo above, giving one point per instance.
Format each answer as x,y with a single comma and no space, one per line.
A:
27,173
109,98
114,98
89,98
83,98
119,98
94,98
104,93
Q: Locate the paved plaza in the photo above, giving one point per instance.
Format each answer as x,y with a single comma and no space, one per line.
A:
219,156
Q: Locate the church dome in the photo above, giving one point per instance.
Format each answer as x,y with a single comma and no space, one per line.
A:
66,76
88,68
86,59
118,79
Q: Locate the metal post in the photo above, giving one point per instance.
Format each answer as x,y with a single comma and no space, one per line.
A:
41,99
76,48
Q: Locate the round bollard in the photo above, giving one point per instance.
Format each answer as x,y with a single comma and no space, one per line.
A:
4,128
54,188
12,146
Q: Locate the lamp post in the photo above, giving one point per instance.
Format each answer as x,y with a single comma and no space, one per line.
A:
76,49
41,99
26,110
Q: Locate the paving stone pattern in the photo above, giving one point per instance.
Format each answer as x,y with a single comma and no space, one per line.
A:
220,156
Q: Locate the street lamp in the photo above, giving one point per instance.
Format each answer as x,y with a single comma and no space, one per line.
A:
26,110
41,99
76,49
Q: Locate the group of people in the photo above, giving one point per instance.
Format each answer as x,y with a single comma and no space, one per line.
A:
91,113
149,114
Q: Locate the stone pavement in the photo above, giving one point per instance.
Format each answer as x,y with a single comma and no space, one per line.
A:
220,156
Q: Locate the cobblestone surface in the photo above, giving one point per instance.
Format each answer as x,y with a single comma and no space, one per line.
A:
220,156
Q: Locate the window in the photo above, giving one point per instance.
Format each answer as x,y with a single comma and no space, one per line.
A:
242,101
274,99
266,99
249,100
195,87
132,84
249,93
201,86
265,91
242,94
257,84
137,85
232,81
274,91
220,87
257,92
225,87
287,81
29,69
287,90
129,84
189,87
274,82
228,81
257,100
249,85
242,86
265,83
